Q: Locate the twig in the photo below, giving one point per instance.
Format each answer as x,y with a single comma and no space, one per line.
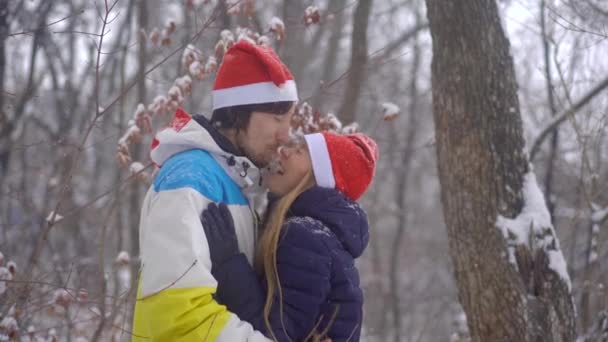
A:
79,32
154,67
572,26
104,287
50,223
565,115
172,283
44,235
45,26
347,72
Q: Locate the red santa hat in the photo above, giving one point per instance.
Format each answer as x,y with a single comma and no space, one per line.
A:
251,74
344,162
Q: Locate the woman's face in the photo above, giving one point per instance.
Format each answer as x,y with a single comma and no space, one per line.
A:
293,165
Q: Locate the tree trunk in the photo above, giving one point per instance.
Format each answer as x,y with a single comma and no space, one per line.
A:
331,54
404,169
4,120
291,49
509,287
549,175
358,62
135,187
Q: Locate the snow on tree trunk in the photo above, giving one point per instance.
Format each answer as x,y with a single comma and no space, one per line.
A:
510,272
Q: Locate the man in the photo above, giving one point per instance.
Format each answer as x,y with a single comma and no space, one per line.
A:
201,162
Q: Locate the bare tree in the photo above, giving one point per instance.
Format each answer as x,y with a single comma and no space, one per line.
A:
509,292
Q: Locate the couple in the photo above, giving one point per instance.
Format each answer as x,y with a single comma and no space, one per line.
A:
210,270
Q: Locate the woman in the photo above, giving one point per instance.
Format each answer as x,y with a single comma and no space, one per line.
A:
314,232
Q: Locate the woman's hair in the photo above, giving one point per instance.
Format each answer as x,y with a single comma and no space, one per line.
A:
266,257
237,117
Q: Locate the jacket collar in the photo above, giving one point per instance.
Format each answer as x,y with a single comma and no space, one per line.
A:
186,132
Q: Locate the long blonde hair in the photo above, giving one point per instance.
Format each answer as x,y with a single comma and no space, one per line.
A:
266,257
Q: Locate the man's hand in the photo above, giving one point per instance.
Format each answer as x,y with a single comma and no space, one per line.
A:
221,236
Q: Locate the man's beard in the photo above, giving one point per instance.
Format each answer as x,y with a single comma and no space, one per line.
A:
257,159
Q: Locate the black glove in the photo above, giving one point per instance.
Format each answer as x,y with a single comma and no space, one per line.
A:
221,236
238,285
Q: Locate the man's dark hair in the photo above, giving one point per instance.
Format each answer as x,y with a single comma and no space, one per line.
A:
237,117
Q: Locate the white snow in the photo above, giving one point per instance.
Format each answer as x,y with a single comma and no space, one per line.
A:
599,215
195,68
308,221
264,41
334,121
535,216
52,335
9,324
592,257
123,258
55,219
276,24
136,167
226,35
140,110
351,128
124,277
53,181
132,130
190,55
4,275
390,110
160,100
184,82
175,93
245,36
159,104
311,10
211,65
311,15
61,297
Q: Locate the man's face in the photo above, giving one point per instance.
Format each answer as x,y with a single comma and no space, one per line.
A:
263,136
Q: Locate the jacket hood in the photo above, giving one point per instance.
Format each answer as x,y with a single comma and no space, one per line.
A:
344,217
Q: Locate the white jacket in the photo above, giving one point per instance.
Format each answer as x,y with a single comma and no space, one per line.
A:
175,297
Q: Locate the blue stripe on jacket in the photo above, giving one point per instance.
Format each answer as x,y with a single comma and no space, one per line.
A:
198,170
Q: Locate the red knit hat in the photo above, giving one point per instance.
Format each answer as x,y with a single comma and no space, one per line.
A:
343,162
252,74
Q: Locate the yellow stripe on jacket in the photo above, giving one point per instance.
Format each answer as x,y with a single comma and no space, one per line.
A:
175,297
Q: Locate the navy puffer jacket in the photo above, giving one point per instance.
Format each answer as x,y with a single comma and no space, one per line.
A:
323,235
